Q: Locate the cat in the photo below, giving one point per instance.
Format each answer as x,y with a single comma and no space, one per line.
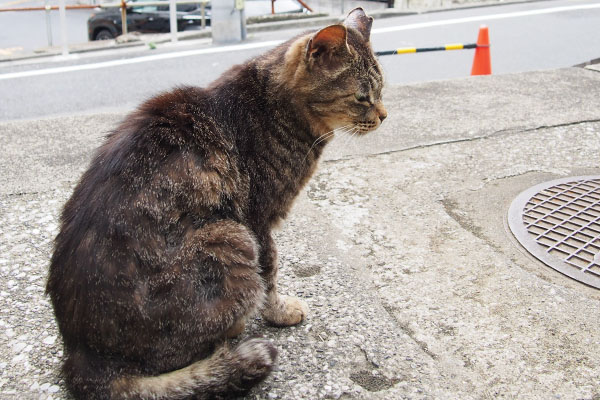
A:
165,246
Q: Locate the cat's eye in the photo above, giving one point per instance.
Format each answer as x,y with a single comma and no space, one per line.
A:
361,97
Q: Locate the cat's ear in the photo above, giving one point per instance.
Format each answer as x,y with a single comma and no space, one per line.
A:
327,45
360,21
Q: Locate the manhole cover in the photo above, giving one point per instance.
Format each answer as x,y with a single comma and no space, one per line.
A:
559,223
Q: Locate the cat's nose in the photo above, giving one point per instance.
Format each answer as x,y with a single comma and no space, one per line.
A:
381,112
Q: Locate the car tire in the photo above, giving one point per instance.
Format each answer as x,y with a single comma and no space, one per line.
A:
103,34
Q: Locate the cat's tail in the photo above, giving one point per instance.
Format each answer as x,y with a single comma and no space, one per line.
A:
227,372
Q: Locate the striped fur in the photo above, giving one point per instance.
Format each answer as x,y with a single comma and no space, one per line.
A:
165,246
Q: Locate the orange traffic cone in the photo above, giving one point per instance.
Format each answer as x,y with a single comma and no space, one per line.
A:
482,63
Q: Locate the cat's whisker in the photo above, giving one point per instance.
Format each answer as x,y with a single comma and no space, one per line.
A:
342,135
347,136
349,133
317,141
347,129
321,138
327,135
353,135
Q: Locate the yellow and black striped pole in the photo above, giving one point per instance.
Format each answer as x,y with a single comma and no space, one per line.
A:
482,63
406,50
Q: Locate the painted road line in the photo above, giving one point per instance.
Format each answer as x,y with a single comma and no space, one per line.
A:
14,3
136,60
477,18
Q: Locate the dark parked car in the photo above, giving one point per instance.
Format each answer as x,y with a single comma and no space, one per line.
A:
150,19
106,24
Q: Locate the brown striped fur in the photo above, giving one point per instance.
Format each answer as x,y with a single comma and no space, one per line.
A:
165,246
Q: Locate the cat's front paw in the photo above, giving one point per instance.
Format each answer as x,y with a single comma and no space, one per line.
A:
285,311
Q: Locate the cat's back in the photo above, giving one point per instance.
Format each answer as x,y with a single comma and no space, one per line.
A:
138,177
134,203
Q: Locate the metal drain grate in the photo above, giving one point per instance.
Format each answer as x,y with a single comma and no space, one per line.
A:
559,223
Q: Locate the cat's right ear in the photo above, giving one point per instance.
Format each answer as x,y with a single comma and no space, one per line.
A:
360,21
327,46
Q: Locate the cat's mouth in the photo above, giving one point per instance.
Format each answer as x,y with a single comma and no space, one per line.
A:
364,127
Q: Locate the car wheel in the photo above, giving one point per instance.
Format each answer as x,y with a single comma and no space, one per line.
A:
103,34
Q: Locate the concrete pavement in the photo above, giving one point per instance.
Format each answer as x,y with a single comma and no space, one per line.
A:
398,245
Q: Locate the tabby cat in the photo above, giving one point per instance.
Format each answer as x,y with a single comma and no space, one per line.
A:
165,246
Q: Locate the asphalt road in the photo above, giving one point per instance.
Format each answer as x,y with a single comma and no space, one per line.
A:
524,37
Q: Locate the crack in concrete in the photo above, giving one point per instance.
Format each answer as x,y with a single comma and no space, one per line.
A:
451,208
487,181
21,194
371,363
409,332
64,185
507,132
25,193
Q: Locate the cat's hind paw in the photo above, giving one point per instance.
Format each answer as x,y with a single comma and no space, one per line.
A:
285,311
255,359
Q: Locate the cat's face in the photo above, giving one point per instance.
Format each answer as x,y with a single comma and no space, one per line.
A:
339,77
354,96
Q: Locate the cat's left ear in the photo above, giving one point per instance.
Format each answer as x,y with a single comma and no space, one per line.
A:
360,21
327,45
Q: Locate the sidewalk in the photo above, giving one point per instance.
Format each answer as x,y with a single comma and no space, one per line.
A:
398,245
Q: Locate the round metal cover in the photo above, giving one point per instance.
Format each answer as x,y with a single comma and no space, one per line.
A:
559,223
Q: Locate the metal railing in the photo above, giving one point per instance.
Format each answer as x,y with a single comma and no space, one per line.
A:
123,5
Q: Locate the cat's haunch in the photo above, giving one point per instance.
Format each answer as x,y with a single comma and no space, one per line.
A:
165,246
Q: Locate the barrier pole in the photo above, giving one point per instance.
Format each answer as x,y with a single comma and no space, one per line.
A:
124,17
173,20
63,27
303,4
407,50
203,11
48,23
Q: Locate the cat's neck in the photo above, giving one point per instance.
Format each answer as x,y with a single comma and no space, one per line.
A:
259,95
276,142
